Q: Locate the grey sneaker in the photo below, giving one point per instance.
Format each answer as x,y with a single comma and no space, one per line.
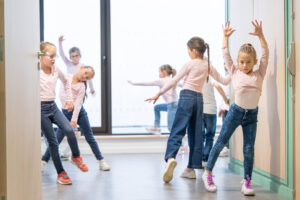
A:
188,174
64,158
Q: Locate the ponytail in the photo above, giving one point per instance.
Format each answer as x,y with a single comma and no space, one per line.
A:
85,82
85,94
173,72
207,47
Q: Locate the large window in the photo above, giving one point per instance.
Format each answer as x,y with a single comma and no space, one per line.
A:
79,22
146,34
128,40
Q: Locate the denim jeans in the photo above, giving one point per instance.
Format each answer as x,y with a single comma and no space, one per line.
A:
188,117
224,114
51,114
86,130
170,108
157,109
209,131
235,117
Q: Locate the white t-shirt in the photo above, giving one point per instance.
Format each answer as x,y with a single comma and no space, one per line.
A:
209,100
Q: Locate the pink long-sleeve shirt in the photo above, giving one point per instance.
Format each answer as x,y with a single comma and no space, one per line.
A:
78,93
170,96
71,68
247,88
48,84
195,73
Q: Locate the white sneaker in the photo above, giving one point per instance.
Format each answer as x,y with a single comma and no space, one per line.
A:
204,164
247,190
188,174
224,152
103,165
208,182
43,164
168,175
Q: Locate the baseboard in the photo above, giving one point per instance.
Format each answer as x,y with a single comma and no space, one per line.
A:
264,179
122,144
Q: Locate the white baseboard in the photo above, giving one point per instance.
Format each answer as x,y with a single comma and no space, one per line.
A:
122,144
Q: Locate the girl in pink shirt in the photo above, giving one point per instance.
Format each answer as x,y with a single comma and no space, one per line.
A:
190,108
73,65
171,98
50,114
247,86
79,115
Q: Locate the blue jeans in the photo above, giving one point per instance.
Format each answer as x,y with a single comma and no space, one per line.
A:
235,117
188,117
170,108
50,114
209,131
86,130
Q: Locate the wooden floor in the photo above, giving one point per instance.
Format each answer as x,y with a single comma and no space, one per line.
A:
139,177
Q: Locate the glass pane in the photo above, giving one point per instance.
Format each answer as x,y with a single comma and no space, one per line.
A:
147,34
79,22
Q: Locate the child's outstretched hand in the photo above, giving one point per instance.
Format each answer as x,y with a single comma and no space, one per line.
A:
130,82
227,30
257,28
61,38
154,99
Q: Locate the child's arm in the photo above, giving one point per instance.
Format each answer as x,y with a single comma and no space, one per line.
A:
77,106
265,50
91,86
217,76
221,91
227,32
171,83
61,51
67,86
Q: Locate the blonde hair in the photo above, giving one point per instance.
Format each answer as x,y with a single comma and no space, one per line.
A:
168,69
85,84
44,46
248,49
91,68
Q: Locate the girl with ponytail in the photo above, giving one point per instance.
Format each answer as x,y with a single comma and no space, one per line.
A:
188,116
170,97
78,116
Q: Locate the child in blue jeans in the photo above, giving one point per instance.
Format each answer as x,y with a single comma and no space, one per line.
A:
247,86
50,114
190,107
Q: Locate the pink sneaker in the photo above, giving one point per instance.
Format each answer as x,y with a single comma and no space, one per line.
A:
247,190
208,182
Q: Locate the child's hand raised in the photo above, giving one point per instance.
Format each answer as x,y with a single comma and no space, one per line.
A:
61,38
154,99
130,82
257,28
227,30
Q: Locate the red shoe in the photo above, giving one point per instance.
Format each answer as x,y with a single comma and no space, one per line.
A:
79,163
63,178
